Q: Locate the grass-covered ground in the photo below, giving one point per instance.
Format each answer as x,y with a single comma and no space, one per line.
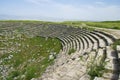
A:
105,24
24,58
88,24
100,24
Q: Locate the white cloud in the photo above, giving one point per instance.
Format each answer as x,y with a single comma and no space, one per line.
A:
99,3
38,2
83,12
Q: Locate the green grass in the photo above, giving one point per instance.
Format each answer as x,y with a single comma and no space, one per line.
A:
30,21
30,57
117,42
71,51
84,24
110,25
96,71
90,24
96,67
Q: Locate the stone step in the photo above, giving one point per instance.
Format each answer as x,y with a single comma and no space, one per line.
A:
93,40
111,36
102,42
118,50
112,62
107,37
91,56
67,45
90,44
82,47
101,37
75,45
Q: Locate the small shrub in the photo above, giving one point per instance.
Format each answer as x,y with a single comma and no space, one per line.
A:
81,57
96,71
13,74
30,72
115,27
96,68
71,51
117,42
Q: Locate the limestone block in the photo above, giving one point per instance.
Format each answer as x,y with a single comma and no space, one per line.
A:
118,50
99,78
107,75
85,77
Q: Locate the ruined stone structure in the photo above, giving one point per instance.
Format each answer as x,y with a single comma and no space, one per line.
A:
86,54
94,57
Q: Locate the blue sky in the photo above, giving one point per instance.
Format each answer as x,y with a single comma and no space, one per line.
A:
62,9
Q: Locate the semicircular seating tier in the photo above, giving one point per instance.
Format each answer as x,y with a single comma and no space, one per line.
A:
92,50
